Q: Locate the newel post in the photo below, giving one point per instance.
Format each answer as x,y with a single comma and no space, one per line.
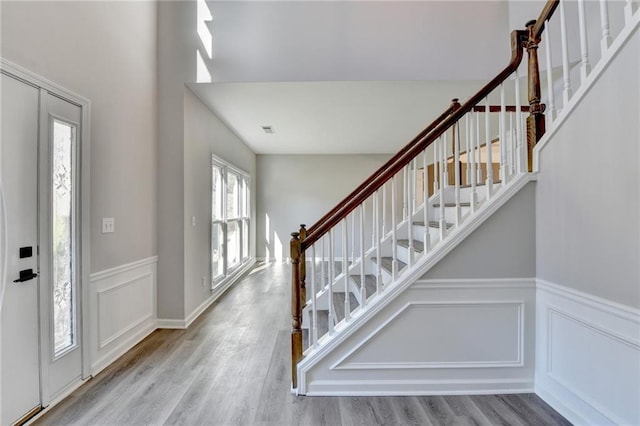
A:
296,309
535,120
303,267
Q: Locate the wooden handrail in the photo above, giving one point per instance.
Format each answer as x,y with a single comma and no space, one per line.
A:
415,147
545,15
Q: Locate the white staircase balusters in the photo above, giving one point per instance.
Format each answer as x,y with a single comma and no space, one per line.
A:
443,165
467,127
487,137
520,146
363,292
456,171
502,131
353,237
314,304
605,41
332,278
411,195
394,228
551,107
566,93
425,198
585,68
479,149
345,270
384,210
444,158
436,168
405,192
376,208
472,153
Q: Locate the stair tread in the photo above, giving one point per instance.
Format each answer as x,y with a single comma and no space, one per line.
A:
387,263
417,245
433,224
370,285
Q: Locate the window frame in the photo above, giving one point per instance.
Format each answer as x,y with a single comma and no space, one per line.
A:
243,219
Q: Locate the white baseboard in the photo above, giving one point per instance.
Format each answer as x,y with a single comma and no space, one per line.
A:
587,356
122,310
215,295
420,387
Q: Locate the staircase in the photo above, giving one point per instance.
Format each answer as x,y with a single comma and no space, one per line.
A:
424,202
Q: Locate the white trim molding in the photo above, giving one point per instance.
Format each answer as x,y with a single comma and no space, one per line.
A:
587,356
123,310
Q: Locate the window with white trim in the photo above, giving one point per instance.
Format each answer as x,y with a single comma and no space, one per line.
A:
230,219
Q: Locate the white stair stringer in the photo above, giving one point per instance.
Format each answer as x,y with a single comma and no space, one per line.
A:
377,303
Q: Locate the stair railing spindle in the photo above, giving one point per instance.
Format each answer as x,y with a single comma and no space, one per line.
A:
585,67
314,304
566,93
363,293
394,226
411,195
442,143
405,192
550,93
345,270
456,173
479,150
488,155
520,152
332,278
384,210
605,41
472,153
353,237
503,136
376,202
425,195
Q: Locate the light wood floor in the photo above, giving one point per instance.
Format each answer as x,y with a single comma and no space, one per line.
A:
231,367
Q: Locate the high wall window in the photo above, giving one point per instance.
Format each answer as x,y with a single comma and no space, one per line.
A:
230,219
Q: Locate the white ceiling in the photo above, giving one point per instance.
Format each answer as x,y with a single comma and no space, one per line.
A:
347,76
330,117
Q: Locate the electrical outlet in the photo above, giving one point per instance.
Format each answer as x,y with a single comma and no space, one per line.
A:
193,221
108,225
204,281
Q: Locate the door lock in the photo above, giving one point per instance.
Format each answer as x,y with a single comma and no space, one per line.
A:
26,275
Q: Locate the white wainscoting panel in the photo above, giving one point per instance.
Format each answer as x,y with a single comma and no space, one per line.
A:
123,310
588,356
458,336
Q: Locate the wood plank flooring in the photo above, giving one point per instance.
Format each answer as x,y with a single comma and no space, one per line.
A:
231,367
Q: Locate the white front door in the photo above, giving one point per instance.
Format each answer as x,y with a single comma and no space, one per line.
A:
20,315
41,327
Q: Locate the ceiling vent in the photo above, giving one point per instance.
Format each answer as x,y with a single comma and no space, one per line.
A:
268,130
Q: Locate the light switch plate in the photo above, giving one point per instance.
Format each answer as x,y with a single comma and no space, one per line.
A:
108,225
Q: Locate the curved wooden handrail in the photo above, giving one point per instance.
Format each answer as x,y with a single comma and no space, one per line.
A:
545,15
417,145
454,105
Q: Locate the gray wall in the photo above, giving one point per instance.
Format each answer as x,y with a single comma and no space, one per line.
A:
188,134
295,189
502,247
106,52
587,212
205,134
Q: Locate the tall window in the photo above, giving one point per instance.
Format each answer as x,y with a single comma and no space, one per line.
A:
230,219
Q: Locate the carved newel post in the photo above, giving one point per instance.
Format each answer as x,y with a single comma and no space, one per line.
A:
535,120
296,309
303,267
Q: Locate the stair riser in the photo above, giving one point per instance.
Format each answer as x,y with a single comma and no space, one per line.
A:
418,234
